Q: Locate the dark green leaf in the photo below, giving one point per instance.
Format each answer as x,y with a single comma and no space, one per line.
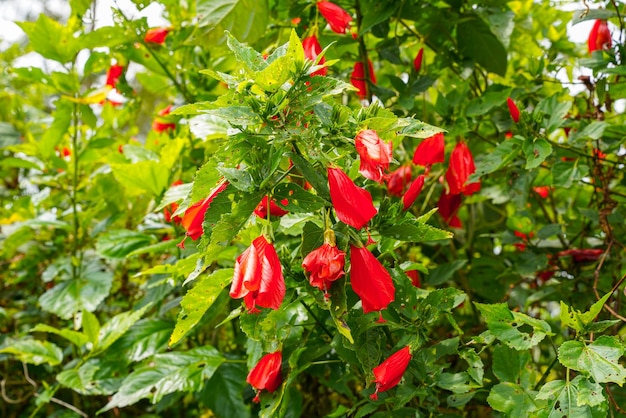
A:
119,243
477,42
223,393
514,400
536,152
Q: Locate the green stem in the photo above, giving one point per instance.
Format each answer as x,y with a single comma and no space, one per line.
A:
310,311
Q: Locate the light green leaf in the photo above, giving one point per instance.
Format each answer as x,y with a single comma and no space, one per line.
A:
500,157
298,199
513,400
181,371
198,300
54,134
116,327
83,293
75,337
8,136
143,176
600,359
536,152
245,19
573,399
91,327
51,39
579,321
34,352
338,308
413,231
144,339
509,364
81,379
419,129
476,368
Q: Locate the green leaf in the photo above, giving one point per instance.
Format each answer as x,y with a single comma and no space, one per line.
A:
8,136
181,371
375,12
298,199
91,327
509,364
413,231
592,14
79,7
600,359
579,321
564,174
245,19
83,293
594,130
476,368
143,176
500,157
536,152
223,393
419,129
573,399
444,272
116,327
144,339
198,300
51,39
75,337
34,352
54,134
338,308
121,242
81,379
456,382
476,41
313,176
504,325
513,400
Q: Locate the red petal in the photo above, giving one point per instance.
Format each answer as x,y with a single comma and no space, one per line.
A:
370,280
354,205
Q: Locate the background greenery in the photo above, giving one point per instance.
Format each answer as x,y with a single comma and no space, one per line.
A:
520,311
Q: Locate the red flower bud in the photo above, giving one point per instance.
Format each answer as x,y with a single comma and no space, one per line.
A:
338,19
513,110
543,191
449,205
414,191
324,265
375,154
275,210
354,205
599,37
312,49
389,373
359,80
114,73
398,180
258,277
156,35
430,151
417,62
415,277
460,169
194,215
370,280
266,374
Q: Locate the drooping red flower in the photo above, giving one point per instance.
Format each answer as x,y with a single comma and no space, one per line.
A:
513,110
324,265
258,277
194,215
168,211
275,210
374,153
370,280
359,80
461,167
581,255
417,62
599,37
353,205
449,205
414,191
156,35
398,180
161,124
312,49
266,374
430,151
543,191
389,373
414,275
114,73
338,19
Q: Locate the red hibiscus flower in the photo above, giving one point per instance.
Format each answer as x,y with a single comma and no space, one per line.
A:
266,374
513,110
414,275
172,208
389,373
258,277
581,255
543,191
156,35
312,49
449,205
417,62
414,191
370,280
324,265
599,37
354,205
460,169
194,215
161,124
359,80
114,73
338,19
398,180
275,210
430,151
375,154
